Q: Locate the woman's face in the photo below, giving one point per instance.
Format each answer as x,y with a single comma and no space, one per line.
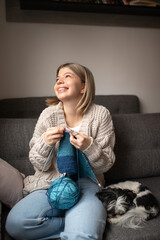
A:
68,85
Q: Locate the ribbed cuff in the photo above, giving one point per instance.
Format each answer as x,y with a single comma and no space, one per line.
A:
42,147
93,152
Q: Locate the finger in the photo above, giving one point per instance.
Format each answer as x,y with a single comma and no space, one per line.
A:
72,132
55,136
75,142
50,137
61,129
53,139
75,135
55,130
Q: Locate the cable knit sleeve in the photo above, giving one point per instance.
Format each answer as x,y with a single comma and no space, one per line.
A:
39,150
100,152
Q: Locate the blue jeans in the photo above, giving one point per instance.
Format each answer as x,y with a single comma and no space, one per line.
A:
34,219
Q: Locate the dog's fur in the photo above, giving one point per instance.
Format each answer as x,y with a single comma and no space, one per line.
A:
128,203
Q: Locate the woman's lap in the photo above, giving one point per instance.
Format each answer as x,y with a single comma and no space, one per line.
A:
87,219
34,218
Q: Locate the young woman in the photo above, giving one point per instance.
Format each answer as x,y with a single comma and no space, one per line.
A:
33,218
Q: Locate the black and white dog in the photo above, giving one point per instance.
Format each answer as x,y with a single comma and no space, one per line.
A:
128,203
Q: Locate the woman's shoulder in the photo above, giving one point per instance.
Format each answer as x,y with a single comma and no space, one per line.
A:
98,113
99,109
50,111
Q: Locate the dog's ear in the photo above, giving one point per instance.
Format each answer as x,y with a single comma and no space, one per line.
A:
100,195
106,193
130,194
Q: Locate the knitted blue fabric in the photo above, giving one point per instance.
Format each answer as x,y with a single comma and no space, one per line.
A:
63,192
72,161
66,158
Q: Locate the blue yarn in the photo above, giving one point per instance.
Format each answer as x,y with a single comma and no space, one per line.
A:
63,193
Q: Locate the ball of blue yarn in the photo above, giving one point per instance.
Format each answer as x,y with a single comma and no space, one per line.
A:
63,193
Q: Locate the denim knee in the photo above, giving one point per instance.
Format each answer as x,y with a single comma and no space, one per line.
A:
15,226
21,228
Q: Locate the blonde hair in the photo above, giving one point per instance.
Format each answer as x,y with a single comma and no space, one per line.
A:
87,78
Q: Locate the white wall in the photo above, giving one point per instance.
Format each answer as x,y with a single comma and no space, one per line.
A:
123,60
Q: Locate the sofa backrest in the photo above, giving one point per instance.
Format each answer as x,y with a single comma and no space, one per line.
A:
31,107
137,145
15,135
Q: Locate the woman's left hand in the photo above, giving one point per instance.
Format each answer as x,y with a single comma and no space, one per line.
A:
80,140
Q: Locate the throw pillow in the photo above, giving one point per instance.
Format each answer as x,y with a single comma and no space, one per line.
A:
11,184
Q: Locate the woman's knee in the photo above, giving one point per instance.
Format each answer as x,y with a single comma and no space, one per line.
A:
15,225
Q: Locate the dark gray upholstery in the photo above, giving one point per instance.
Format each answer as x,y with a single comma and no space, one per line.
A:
137,152
31,107
15,135
149,231
137,146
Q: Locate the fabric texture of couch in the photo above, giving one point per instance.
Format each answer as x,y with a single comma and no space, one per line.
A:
137,151
31,107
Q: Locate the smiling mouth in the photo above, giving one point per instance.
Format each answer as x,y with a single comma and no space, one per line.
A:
62,89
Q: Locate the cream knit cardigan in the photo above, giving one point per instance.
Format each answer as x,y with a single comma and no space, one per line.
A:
96,123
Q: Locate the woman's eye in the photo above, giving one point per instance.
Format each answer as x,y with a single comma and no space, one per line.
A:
68,75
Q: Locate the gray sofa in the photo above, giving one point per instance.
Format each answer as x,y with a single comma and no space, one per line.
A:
137,152
31,107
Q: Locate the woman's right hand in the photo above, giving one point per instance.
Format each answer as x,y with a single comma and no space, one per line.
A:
53,135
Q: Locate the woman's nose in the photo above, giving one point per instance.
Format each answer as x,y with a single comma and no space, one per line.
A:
60,81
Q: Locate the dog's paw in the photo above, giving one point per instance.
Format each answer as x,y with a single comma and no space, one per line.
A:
112,220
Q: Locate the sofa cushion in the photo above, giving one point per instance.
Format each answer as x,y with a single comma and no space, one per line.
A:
137,147
149,231
15,135
11,184
31,107
118,104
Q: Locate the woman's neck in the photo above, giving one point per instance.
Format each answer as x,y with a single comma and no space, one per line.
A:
72,116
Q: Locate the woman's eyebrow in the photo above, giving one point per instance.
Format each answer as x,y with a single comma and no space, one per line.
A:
64,74
68,73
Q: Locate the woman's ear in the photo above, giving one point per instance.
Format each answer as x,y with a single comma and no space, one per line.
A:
82,91
83,88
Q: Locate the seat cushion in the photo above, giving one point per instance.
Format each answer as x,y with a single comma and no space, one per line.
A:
150,229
